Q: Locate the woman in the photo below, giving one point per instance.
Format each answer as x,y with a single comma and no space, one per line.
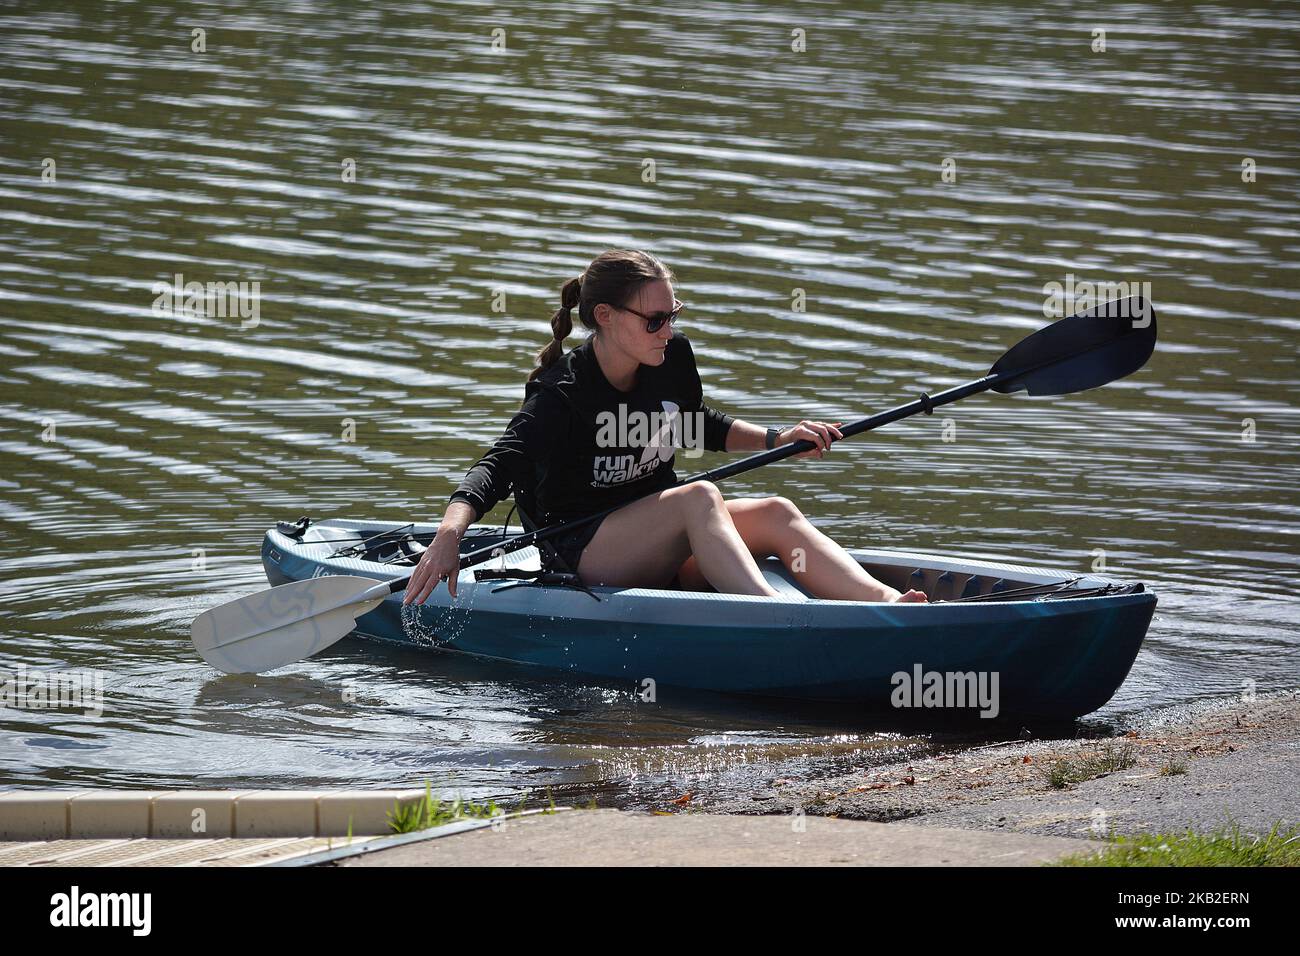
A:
572,445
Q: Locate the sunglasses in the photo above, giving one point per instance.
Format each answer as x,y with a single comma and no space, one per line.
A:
653,323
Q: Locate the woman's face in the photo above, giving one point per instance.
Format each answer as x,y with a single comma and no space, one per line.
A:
626,330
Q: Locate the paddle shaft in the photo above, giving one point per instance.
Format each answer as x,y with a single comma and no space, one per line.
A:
926,403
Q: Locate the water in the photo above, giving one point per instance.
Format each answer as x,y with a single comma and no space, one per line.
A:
486,179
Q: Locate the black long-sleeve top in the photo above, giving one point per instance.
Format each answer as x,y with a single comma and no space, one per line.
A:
566,445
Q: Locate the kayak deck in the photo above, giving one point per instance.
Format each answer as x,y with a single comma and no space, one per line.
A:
1056,655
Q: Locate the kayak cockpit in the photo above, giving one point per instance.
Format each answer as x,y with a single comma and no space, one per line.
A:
397,547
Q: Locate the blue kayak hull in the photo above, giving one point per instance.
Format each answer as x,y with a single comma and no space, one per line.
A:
1054,659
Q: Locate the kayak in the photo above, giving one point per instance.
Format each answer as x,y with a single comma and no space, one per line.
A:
997,640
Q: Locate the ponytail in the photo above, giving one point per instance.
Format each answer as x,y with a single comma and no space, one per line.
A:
561,326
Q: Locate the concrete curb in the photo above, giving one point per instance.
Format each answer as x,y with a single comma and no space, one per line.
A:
405,839
185,814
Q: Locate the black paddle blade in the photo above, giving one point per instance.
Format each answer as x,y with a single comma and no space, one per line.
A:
1082,351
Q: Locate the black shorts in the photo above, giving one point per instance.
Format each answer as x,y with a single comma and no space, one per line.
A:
570,544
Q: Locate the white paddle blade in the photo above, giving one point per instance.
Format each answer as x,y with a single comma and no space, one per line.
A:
283,624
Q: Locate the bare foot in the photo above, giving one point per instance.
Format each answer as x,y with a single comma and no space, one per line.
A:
912,597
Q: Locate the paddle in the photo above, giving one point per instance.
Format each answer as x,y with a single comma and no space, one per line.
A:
292,621
283,624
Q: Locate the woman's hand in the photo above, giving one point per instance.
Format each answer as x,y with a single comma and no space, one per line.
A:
440,562
819,433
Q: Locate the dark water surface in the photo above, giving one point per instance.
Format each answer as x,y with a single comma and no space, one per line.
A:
402,311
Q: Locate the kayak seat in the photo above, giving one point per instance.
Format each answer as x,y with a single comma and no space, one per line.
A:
775,574
778,576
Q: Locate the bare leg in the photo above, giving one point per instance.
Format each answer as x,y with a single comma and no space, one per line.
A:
776,526
643,544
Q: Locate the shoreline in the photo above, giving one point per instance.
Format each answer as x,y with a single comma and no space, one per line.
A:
1202,766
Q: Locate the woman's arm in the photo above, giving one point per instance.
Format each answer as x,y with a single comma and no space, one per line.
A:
507,463
457,518
743,436
722,432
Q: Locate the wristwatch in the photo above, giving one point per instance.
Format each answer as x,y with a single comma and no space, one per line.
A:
772,435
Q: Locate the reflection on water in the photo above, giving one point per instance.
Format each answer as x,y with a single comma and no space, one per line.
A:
408,199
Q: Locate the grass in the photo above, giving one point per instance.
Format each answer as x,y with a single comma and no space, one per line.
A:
435,812
1174,767
1108,759
1228,847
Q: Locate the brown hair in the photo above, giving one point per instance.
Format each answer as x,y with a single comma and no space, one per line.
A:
613,277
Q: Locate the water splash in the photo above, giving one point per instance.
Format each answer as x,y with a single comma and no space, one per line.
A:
437,625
